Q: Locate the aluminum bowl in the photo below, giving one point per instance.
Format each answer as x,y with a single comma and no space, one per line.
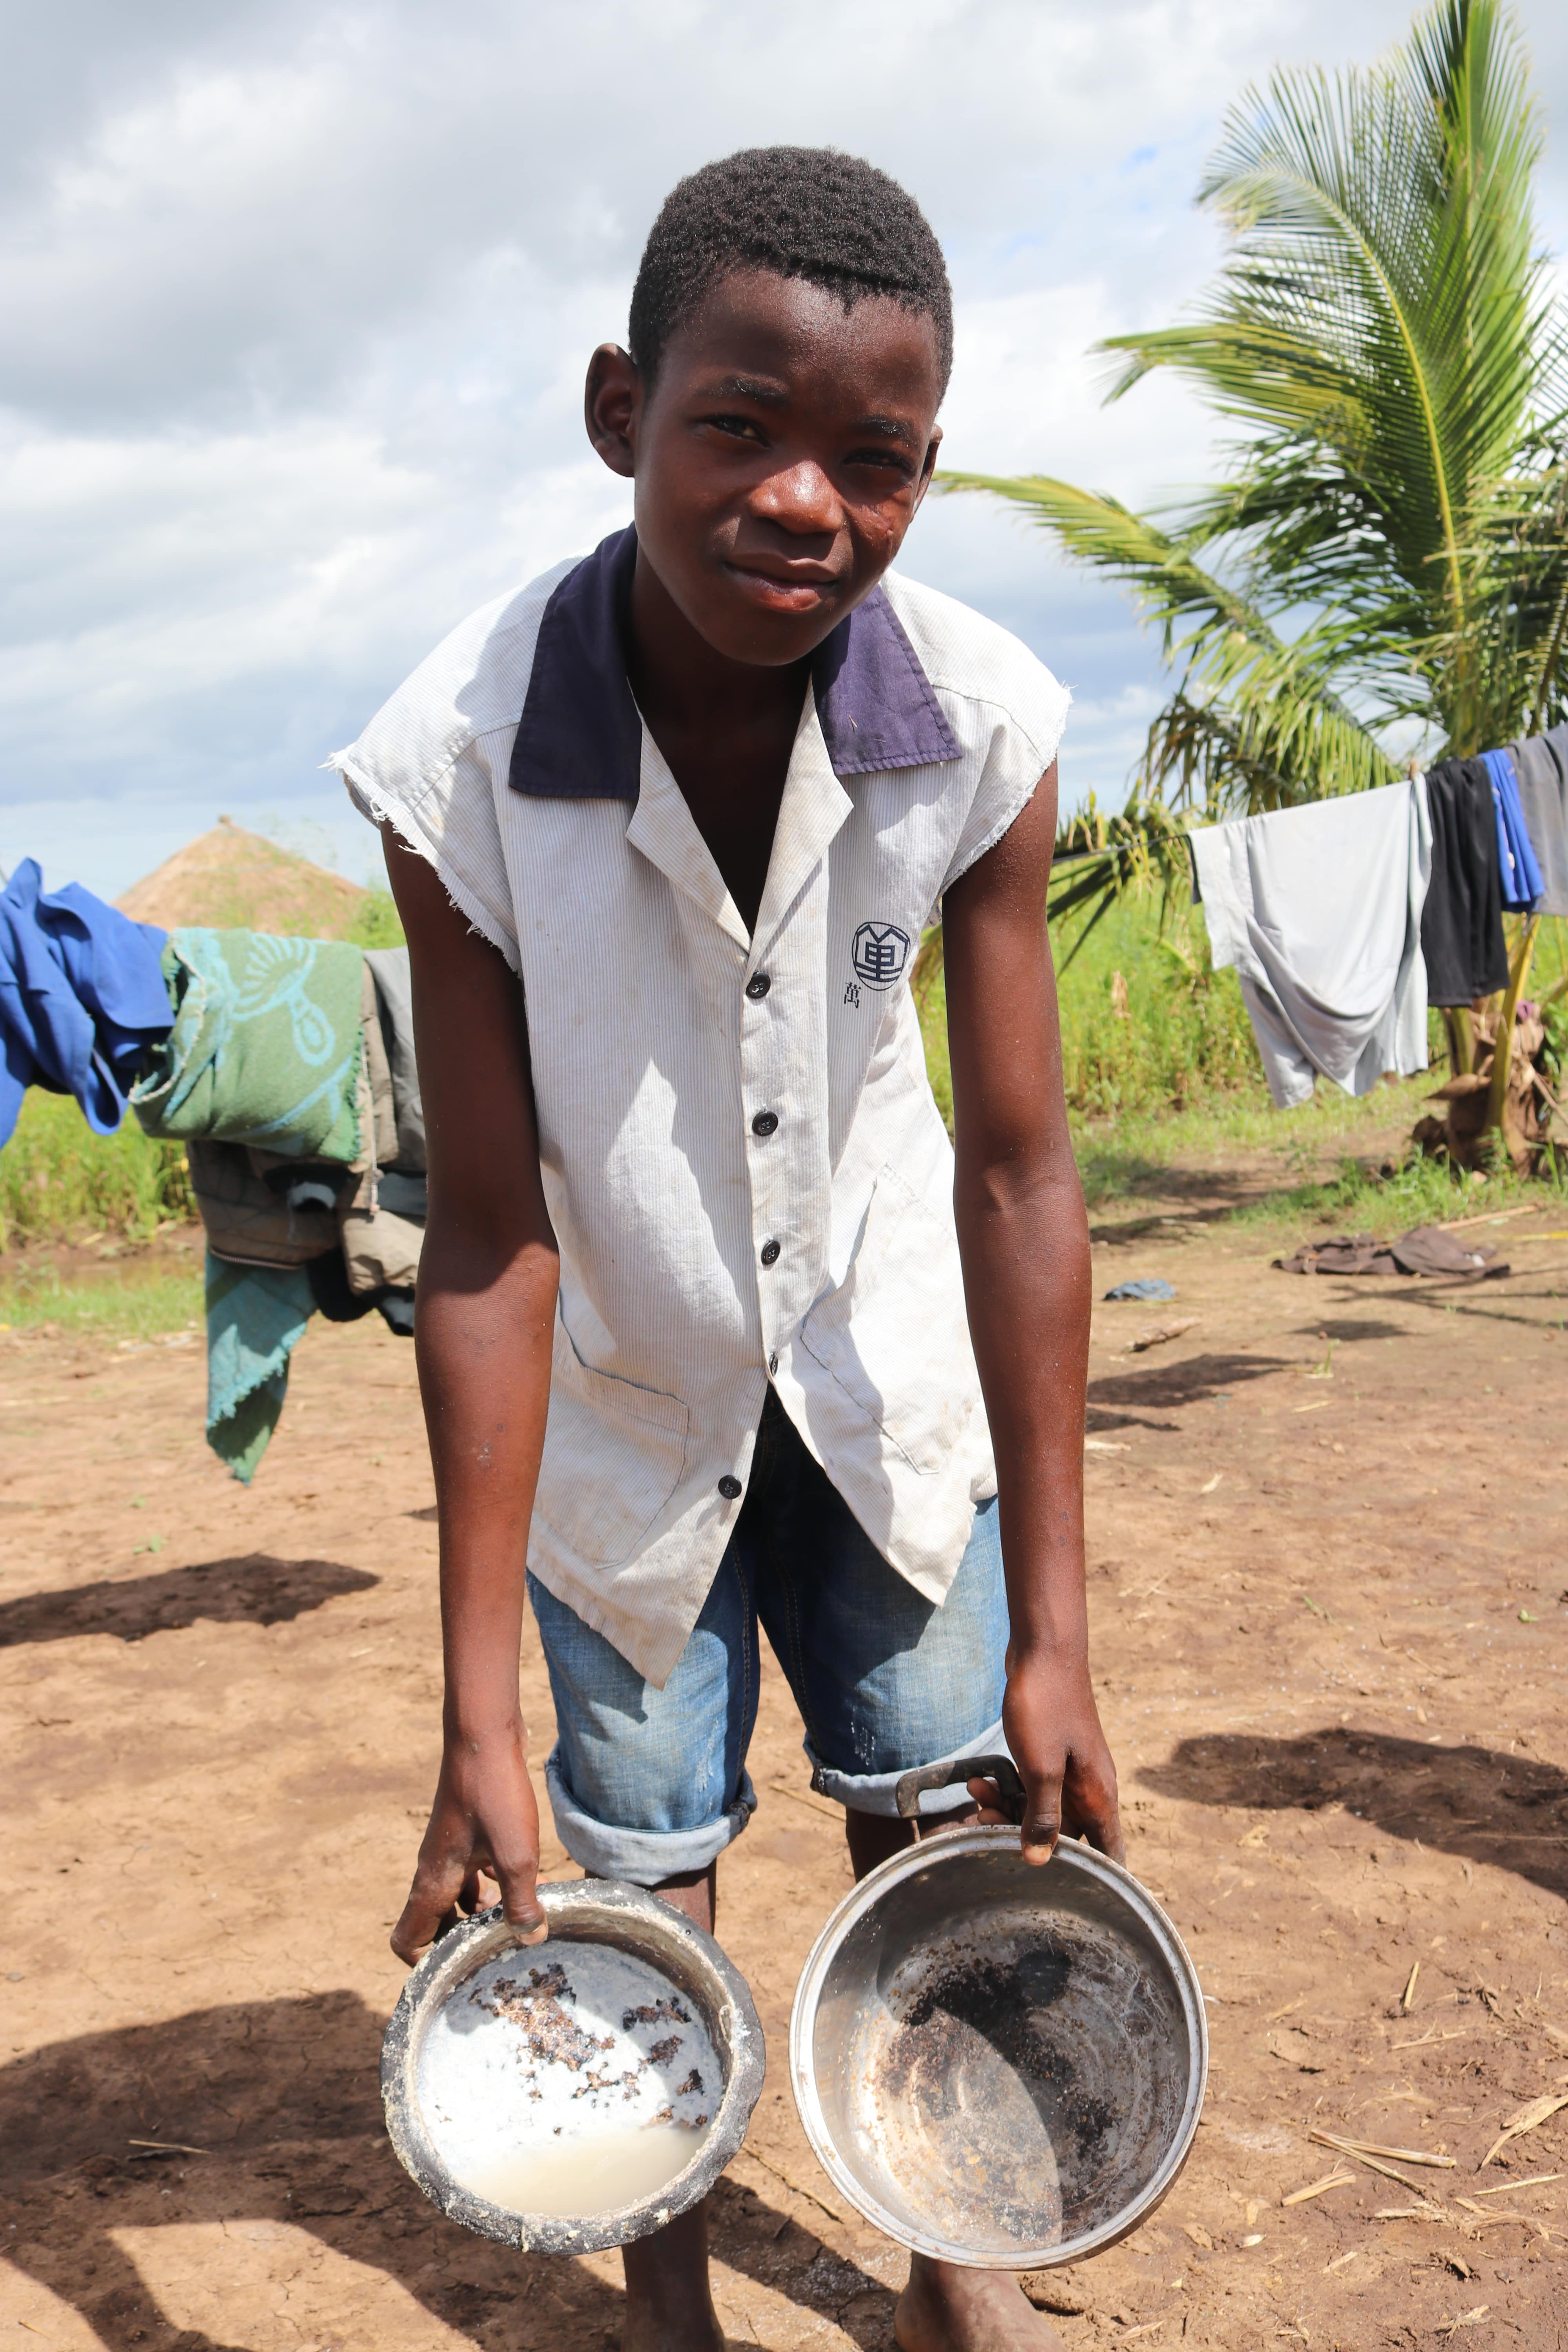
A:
588,1911
1000,2065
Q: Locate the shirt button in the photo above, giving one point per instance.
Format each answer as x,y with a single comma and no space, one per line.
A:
729,1487
765,1122
772,1363
769,1253
758,986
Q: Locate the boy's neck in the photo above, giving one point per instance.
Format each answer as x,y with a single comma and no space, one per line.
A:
727,730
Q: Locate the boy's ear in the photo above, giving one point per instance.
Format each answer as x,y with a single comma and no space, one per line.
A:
612,402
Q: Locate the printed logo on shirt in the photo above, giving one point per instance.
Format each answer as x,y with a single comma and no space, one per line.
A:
879,954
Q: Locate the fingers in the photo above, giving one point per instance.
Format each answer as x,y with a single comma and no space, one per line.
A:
1093,1808
430,1910
988,1797
520,1897
1042,1822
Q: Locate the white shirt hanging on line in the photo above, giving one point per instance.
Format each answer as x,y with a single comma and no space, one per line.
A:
1319,909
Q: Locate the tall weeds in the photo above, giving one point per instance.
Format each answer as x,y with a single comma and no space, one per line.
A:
59,1181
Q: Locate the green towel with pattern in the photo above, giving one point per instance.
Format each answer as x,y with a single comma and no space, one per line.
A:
256,1319
265,1044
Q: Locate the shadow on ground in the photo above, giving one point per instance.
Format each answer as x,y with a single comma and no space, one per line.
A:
1192,1380
1113,1176
253,1589
1346,1332
1478,1802
283,2098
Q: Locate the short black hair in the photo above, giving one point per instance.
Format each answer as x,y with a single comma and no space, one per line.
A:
804,212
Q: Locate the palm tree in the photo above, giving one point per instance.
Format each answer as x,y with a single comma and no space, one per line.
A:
1390,548
1387,566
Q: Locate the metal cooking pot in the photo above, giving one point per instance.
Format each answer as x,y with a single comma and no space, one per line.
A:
999,2065
694,1974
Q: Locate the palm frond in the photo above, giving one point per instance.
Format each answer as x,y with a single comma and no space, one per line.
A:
1255,718
1384,328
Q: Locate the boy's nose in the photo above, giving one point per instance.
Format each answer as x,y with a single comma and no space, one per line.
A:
801,500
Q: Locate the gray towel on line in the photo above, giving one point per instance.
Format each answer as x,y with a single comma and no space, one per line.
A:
1318,908
389,968
1540,763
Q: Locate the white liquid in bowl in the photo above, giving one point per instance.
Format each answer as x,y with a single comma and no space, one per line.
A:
597,2175
567,2079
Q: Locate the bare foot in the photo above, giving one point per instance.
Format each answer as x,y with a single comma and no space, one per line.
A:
946,2309
669,2308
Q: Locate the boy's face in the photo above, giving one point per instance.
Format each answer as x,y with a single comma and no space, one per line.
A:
779,457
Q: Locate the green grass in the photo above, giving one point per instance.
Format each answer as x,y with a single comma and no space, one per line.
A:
1420,1191
1163,1078
59,1181
139,1299
1116,1156
376,922
1172,1034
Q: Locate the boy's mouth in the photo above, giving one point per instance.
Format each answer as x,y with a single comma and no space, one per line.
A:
800,589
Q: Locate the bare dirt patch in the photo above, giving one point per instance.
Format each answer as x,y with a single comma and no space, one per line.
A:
1328,1569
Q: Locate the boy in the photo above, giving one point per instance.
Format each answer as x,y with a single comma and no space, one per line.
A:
692,1333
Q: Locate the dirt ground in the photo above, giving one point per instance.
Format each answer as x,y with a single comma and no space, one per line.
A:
1328,1570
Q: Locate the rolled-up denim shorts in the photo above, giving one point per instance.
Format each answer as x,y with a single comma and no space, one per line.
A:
647,1784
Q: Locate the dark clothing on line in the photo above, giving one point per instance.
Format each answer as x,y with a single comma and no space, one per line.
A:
1540,763
330,1295
1461,922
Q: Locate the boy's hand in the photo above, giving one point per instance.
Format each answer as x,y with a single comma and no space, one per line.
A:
484,1821
1069,1780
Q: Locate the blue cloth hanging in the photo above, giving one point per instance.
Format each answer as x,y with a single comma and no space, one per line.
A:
81,998
1521,878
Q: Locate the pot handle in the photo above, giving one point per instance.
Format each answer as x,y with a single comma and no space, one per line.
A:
1000,1769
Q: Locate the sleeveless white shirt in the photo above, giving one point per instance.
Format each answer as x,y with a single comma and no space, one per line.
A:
746,1171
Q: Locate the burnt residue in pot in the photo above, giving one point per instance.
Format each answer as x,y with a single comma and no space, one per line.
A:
1013,2101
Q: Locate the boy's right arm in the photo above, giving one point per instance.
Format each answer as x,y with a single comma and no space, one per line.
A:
487,1276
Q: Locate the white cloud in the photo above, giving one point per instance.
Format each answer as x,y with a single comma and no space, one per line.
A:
298,301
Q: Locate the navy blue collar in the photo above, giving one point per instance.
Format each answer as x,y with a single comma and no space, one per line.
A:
580,736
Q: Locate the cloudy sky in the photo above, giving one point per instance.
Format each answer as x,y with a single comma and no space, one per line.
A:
297,300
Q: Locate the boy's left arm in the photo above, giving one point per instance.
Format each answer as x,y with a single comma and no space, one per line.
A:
1023,1233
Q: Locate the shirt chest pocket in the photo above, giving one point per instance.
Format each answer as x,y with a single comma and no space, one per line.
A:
895,1333
614,1454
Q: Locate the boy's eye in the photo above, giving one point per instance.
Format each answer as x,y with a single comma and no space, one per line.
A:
744,428
886,460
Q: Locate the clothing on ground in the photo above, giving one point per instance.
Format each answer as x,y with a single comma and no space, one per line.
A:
1540,765
1319,909
266,1046
256,1319
645,1783
81,998
1147,1285
1425,1249
1461,922
744,1167
1517,870
389,969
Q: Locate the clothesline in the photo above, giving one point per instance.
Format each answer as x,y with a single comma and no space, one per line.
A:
1345,918
285,1066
